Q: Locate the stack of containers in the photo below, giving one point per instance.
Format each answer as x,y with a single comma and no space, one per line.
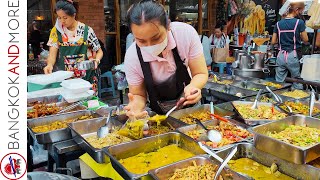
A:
76,90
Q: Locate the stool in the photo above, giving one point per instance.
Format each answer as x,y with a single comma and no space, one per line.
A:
220,65
108,75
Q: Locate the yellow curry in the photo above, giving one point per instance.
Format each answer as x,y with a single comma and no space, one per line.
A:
143,162
255,170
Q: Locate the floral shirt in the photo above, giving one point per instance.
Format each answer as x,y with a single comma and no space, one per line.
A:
75,37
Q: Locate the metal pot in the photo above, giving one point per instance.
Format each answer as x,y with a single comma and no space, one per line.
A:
237,53
259,59
255,73
246,62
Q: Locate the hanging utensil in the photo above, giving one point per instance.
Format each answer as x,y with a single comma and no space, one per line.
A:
180,103
213,135
104,130
225,162
255,104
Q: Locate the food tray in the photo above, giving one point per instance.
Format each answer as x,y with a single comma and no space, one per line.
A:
186,129
59,134
279,92
232,77
253,122
221,91
82,129
304,102
164,173
61,105
283,150
205,107
125,150
251,85
246,150
45,100
269,95
261,81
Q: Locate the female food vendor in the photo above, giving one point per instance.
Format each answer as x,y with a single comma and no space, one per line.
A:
72,38
289,32
156,64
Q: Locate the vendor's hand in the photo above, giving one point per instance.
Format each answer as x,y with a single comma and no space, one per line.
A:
133,111
48,69
191,98
96,63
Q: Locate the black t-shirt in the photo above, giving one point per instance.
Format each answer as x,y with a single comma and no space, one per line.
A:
286,39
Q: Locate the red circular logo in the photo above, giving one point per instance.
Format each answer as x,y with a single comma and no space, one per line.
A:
13,166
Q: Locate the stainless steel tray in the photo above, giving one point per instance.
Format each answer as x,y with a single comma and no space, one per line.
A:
45,100
246,150
284,98
56,135
226,93
249,85
186,129
283,150
149,144
82,129
304,102
253,122
279,92
164,173
61,105
202,108
261,81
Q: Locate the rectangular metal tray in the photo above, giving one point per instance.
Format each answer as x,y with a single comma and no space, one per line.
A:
59,134
253,122
45,100
262,82
233,77
82,129
146,145
283,150
186,129
304,102
284,98
202,108
279,92
164,173
221,91
251,85
246,150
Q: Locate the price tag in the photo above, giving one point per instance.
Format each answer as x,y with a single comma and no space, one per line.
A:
93,103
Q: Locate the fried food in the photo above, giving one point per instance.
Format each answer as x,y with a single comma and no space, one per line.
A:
201,116
41,109
109,140
262,112
296,94
298,135
206,172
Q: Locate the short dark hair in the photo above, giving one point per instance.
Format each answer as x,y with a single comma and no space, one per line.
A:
146,11
66,6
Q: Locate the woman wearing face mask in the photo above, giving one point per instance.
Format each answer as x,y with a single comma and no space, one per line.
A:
289,32
70,37
156,63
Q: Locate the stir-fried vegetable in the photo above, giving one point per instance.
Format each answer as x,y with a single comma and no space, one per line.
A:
262,112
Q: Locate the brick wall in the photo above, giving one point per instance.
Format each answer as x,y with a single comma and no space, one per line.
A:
91,12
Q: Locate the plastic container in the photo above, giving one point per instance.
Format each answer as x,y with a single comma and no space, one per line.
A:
241,38
76,86
71,98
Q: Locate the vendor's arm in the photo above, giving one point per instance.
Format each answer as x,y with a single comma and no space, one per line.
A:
53,51
137,101
304,37
199,79
274,39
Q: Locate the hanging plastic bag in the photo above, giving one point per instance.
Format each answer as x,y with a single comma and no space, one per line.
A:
122,81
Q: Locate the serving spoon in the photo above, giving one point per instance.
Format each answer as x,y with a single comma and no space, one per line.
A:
213,135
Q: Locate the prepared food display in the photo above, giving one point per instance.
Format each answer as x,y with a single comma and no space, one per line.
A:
109,140
262,112
230,134
267,99
296,94
298,135
58,124
155,129
225,81
205,172
256,170
272,84
143,162
40,109
133,129
300,108
201,116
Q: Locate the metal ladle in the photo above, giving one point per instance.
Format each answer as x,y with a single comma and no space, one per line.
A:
255,104
213,135
225,162
104,130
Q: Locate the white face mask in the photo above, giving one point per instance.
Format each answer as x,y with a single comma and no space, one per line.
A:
156,49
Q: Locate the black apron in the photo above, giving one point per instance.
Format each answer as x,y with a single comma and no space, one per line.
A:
164,96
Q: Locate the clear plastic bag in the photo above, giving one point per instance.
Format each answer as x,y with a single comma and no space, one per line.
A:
122,81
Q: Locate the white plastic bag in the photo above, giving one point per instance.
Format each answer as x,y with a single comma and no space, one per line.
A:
45,79
310,68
